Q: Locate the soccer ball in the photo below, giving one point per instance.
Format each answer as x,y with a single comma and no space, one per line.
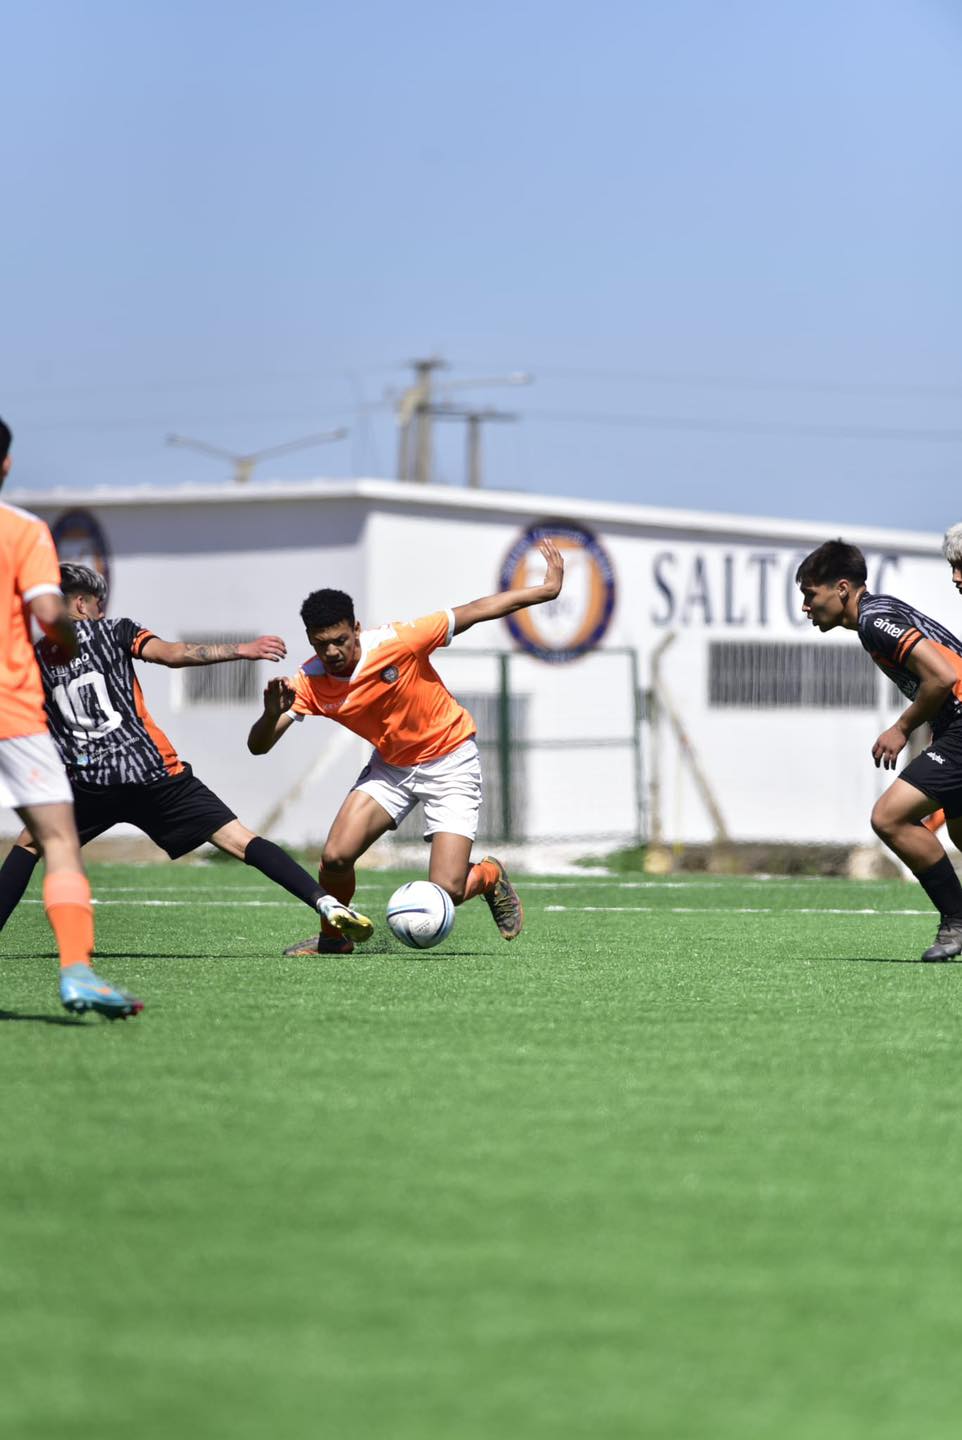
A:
420,914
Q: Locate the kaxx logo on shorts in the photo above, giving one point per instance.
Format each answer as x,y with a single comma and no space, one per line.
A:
939,759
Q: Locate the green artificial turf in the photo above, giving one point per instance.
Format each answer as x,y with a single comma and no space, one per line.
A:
686,1163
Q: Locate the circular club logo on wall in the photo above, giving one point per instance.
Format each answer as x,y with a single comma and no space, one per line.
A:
575,623
80,540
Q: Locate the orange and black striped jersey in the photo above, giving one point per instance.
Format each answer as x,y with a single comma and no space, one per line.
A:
96,711
890,630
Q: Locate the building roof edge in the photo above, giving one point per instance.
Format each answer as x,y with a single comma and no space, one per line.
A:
393,494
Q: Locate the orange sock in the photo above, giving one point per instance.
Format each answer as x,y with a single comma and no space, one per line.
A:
481,878
935,821
341,884
66,899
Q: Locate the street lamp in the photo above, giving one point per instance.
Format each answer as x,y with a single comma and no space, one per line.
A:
244,464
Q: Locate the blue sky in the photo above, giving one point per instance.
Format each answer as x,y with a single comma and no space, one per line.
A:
723,235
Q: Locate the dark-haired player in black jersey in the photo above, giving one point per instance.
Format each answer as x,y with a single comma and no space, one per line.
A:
924,660
122,767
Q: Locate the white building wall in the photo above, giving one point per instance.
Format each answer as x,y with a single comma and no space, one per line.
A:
183,566
214,560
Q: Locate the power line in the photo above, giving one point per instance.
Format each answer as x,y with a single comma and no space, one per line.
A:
473,419
762,384
417,408
800,430
212,382
145,422
625,419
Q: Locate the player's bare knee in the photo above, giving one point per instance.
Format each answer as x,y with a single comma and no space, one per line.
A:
889,825
336,859
52,832
232,839
883,823
25,841
455,888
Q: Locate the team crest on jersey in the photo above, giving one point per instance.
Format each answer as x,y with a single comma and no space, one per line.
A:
389,674
575,623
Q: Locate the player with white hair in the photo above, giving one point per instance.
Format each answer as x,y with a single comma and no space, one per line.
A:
122,767
952,550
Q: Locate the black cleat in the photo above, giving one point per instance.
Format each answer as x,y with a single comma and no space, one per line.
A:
948,941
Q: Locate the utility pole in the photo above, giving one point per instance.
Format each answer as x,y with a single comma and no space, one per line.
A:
244,464
414,409
417,409
473,419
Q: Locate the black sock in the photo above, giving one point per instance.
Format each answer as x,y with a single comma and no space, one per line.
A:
278,866
15,875
941,885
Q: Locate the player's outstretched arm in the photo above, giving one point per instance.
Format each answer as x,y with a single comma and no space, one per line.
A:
51,615
494,607
176,654
938,679
275,718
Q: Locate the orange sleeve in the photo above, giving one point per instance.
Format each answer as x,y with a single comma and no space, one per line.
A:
38,569
305,702
427,634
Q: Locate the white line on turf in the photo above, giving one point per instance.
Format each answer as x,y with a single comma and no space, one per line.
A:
389,882
740,882
720,910
547,909
199,901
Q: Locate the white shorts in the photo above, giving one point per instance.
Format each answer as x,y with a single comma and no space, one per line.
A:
449,789
32,773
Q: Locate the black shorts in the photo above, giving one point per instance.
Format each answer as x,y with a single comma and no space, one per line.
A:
178,813
937,772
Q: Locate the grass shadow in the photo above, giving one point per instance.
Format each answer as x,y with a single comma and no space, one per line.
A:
110,955
892,960
431,954
70,1023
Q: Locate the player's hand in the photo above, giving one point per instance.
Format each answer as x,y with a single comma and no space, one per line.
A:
888,747
555,573
265,647
279,696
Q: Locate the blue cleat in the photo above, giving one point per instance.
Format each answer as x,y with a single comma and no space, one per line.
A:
82,990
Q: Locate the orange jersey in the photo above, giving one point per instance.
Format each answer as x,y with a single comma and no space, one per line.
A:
28,567
394,698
